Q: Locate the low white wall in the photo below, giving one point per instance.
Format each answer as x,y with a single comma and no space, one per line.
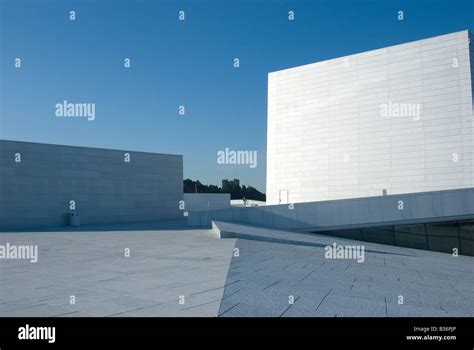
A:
202,201
249,203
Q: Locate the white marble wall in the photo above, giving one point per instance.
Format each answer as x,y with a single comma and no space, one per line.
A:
334,131
37,191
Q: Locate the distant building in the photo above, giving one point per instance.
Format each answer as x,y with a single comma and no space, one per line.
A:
231,183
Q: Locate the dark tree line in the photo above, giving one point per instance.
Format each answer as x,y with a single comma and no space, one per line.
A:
236,192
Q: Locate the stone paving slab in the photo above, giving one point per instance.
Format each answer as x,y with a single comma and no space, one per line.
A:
275,264
163,265
272,268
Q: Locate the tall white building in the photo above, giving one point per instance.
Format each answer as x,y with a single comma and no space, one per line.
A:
395,120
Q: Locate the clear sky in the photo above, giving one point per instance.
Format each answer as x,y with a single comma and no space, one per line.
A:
186,63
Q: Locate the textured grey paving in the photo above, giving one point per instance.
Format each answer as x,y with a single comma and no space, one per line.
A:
270,269
168,262
90,265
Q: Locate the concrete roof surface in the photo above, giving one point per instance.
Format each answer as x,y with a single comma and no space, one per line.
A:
174,271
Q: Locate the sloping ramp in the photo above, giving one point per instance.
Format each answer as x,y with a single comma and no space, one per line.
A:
233,230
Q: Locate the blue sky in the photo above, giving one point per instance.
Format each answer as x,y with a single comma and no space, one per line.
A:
186,63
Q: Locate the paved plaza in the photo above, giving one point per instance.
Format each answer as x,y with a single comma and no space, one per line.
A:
168,273
271,270
180,271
